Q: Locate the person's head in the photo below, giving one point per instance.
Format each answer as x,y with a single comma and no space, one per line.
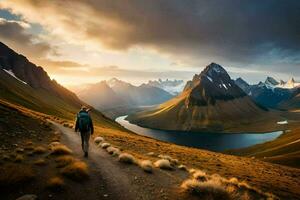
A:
84,108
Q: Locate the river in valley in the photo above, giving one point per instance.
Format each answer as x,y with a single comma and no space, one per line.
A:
211,141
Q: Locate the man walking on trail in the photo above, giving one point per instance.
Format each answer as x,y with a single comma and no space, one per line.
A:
84,124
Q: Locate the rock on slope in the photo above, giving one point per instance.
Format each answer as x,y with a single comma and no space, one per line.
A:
210,101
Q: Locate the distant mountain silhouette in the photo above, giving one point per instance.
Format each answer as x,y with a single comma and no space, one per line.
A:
115,97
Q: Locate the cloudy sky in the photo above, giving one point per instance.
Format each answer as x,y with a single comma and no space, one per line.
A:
84,41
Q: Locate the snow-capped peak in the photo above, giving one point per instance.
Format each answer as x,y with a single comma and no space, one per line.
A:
213,67
271,81
289,85
10,72
112,82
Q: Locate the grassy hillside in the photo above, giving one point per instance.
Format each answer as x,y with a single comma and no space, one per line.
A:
41,100
280,180
284,150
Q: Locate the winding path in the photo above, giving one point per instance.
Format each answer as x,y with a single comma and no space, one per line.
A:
110,179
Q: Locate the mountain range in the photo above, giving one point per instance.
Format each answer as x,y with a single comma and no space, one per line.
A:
174,87
115,97
272,93
210,101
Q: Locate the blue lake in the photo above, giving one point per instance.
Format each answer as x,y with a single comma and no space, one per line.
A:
211,141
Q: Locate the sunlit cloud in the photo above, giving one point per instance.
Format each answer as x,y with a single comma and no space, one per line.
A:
167,35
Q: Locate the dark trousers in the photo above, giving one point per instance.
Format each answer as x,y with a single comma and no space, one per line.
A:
85,138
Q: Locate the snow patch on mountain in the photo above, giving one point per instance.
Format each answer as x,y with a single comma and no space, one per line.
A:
271,83
10,72
174,87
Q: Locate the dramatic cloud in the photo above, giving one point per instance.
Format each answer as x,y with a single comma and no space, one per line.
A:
13,33
259,34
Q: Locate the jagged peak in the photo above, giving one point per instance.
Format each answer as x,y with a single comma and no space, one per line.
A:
292,80
214,67
271,80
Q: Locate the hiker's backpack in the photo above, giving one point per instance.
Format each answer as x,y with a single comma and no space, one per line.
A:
83,122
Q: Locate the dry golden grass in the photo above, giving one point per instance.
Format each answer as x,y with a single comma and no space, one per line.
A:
169,158
208,190
98,139
127,158
12,175
19,150
28,148
163,164
105,145
19,158
146,165
200,176
60,150
283,185
39,150
6,157
182,167
77,171
113,151
55,183
63,161
214,186
28,143
40,162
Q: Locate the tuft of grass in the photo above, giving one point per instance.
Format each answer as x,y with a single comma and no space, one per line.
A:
205,190
77,171
127,158
40,162
200,176
214,186
182,167
63,161
163,164
28,143
113,151
55,183
98,139
53,144
19,158
60,150
146,165
169,158
39,150
13,175
6,158
105,145
150,154
28,148
19,150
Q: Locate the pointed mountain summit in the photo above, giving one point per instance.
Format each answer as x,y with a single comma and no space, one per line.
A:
212,84
242,84
271,81
210,101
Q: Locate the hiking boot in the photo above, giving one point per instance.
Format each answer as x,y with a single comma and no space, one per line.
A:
86,154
